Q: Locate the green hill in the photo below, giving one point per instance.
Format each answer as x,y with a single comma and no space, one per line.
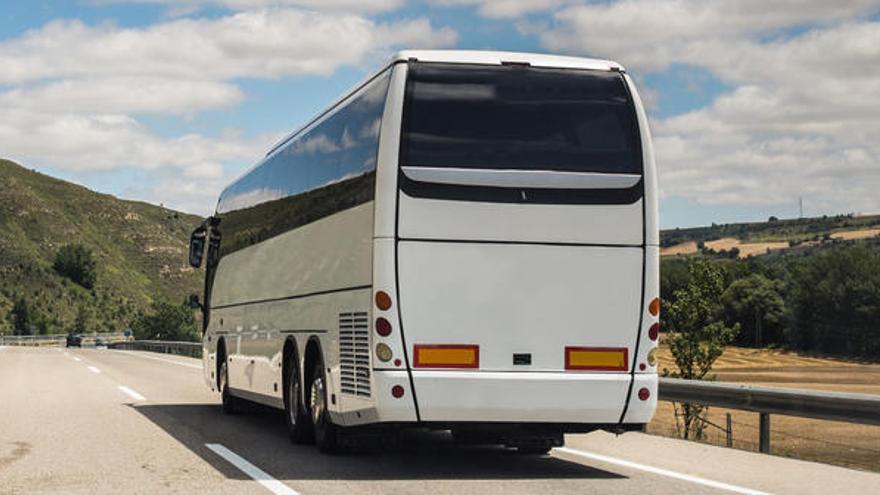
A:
794,230
140,251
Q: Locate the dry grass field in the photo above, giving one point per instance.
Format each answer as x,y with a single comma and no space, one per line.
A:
856,234
844,444
747,249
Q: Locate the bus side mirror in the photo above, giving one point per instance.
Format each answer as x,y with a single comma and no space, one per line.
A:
194,302
197,246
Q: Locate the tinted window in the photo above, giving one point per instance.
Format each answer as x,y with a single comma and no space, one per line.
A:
506,117
327,169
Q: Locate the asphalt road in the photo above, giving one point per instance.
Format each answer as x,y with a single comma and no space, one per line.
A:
104,421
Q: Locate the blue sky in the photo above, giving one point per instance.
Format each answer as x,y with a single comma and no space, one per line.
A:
751,104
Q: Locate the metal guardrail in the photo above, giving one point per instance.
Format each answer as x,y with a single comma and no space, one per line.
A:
814,404
58,339
191,349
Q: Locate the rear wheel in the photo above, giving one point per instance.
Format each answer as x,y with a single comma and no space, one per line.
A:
229,403
326,433
298,426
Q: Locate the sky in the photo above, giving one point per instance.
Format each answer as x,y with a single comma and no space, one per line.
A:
752,103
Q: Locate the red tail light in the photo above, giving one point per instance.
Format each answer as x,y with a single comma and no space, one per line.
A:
383,327
654,331
397,391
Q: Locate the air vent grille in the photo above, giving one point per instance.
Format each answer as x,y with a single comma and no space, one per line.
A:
354,353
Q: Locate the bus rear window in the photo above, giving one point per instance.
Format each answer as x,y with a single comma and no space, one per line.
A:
521,118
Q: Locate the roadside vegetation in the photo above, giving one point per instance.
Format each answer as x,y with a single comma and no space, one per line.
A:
825,301
73,260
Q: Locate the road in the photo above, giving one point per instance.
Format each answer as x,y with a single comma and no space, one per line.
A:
105,421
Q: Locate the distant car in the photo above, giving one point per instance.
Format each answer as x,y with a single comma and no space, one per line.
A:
100,342
74,340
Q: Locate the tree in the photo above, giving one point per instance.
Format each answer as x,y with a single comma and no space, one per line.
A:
21,317
165,321
75,262
756,304
81,324
697,335
835,302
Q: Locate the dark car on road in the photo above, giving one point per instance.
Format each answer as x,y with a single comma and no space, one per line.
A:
74,340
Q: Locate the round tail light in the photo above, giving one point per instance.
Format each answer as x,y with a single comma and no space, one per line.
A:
383,300
383,327
644,394
383,352
397,391
654,331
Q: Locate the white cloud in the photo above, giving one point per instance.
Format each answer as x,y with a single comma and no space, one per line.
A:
505,8
800,118
70,91
126,94
267,44
651,34
190,6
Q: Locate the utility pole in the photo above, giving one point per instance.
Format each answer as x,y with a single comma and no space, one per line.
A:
801,206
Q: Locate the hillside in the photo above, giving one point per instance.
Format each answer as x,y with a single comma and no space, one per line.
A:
759,238
140,251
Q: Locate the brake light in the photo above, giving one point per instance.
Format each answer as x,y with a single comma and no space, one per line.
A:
383,327
446,356
654,331
597,358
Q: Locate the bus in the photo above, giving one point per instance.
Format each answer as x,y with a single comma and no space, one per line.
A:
465,241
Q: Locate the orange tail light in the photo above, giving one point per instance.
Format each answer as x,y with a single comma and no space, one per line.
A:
597,358
446,356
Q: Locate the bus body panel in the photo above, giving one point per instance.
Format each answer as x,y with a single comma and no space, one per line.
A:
572,224
520,299
282,280
529,397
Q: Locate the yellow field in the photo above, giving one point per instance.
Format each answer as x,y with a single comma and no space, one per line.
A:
824,441
747,249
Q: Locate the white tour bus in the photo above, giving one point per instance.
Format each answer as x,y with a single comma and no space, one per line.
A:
466,240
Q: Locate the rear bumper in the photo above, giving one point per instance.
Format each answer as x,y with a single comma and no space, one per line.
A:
521,397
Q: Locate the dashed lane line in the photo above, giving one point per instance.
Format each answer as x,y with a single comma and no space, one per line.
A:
257,474
131,393
93,369
660,471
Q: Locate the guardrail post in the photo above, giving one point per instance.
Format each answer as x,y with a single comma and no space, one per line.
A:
764,432
729,430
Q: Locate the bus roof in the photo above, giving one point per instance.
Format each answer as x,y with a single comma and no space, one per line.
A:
486,57
497,58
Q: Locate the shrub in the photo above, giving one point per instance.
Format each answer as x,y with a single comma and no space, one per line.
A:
75,262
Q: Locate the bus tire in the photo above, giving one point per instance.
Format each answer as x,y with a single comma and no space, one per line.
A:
229,403
299,428
326,433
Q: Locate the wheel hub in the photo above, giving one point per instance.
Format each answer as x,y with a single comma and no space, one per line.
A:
317,395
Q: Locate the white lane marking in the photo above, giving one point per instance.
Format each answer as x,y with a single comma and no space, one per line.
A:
77,359
661,471
179,363
94,370
254,472
131,393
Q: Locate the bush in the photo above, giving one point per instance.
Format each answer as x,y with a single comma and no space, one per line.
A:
75,262
165,322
